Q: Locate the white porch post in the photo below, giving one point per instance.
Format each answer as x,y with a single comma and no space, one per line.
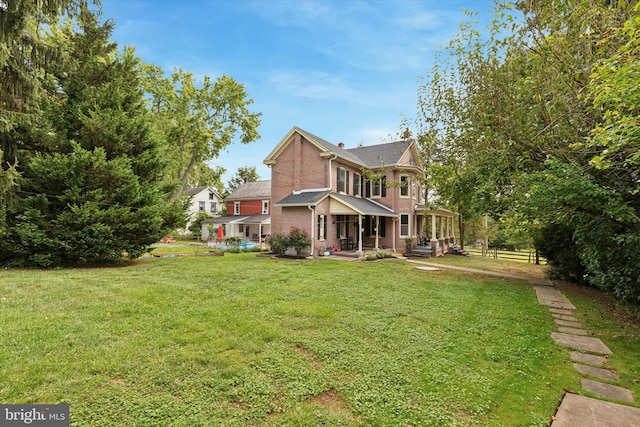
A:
434,240
377,231
359,234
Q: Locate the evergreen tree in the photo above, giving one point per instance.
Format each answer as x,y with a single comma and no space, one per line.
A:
91,192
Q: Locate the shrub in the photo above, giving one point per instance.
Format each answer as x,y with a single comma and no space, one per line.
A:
298,239
278,243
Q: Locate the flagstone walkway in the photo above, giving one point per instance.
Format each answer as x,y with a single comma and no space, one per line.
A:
589,355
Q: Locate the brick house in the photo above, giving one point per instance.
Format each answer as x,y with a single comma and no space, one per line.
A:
353,199
248,213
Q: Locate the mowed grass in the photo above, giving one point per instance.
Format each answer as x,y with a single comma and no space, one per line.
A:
241,340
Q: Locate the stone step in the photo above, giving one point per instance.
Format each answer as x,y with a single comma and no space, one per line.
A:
561,311
582,411
592,359
607,390
552,297
567,324
573,331
591,344
564,317
605,374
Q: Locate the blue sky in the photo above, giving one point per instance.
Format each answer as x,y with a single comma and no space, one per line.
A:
344,70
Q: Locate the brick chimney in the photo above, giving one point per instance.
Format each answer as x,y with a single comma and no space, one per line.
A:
341,144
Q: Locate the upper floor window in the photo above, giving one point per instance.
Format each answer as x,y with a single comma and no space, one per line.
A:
265,206
343,181
214,207
201,206
404,186
211,196
376,188
236,208
357,185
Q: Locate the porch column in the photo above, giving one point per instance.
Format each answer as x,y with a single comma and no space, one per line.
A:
452,233
359,234
441,236
434,240
377,231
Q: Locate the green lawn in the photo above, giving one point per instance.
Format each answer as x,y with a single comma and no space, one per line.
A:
241,340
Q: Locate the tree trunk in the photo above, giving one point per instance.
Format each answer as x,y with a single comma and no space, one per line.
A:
185,177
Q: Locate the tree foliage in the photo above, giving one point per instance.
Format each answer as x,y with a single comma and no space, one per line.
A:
198,120
243,175
539,121
89,187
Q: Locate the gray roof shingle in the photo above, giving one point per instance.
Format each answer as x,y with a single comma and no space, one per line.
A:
251,191
304,198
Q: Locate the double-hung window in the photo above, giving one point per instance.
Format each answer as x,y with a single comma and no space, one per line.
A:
343,181
404,185
357,185
236,208
404,225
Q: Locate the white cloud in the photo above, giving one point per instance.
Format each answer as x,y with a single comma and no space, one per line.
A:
310,84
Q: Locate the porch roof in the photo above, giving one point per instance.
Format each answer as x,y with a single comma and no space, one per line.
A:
303,198
360,206
239,219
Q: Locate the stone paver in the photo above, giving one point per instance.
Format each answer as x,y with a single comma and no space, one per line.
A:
581,411
573,331
593,359
561,311
607,390
551,297
564,317
592,344
605,374
428,268
568,324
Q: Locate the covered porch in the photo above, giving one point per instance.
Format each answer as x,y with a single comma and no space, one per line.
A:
435,230
253,228
362,225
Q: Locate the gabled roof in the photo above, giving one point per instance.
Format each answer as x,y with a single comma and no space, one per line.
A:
257,190
304,198
382,154
197,190
372,156
364,206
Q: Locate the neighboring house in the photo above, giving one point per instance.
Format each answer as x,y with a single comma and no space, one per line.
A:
203,199
353,199
248,213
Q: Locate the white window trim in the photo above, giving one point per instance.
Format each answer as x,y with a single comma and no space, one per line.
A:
357,188
408,225
344,181
265,203
408,187
373,184
236,208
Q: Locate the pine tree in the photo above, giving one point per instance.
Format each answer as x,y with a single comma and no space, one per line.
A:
92,191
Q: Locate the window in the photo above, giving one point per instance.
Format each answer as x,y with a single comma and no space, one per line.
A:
404,186
265,206
201,206
241,228
343,181
357,185
376,188
322,227
210,196
404,225
214,207
236,208
341,227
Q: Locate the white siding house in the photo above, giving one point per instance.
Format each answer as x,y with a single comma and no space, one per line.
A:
203,199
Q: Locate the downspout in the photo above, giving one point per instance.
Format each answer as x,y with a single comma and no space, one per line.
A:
330,186
313,216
